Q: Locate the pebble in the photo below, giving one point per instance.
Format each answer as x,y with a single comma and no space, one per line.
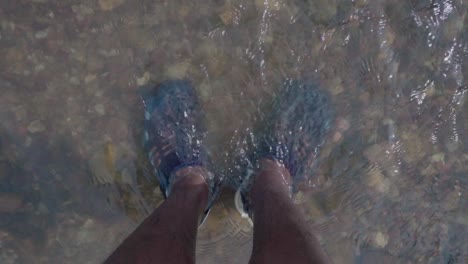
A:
74,80
143,79
342,124
341,251
82,10
376,180
89,78
10,202
361,3
336,86
178,71
380,239
415,148
94,63
314,210
99,169
28,141
99,108
365,98
337,136
36,127
452,146
42,34
376,153
109,53
438,157
39,68
452,200
107,5
323,11
20,113
226,16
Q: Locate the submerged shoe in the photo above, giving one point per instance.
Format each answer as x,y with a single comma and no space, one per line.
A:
292,134
174,134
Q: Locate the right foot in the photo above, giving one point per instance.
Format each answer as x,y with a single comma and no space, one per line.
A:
292,137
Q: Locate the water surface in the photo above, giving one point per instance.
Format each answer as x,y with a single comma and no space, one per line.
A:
391,187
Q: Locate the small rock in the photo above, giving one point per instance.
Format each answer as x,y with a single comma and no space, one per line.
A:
429,170
365,98
42,34
101,175
323,11
379,239
42,208
99,108
82,10
89,78
28,141
430,90
17,58
94,63
178,71
109,53
226,16
376,153
20,113
184,11
314,210
361,3
39,67
452,200
74,80
342,124
341,251
337,136
452,146
110,155
108,5
376,180
143,79
36,127
438,157
415,148
336,86
10,202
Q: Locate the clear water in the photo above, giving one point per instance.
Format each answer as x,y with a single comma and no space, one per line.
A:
391,187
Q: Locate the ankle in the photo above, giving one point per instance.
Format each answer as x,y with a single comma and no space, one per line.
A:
191,175
191,182
272,177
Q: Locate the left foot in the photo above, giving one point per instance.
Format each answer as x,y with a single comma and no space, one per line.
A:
174,137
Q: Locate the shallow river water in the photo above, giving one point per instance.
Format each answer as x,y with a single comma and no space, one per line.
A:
391,184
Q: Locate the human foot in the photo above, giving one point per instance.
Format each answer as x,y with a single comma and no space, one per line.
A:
292,137
174,135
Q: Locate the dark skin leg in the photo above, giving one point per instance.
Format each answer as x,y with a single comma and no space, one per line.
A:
169,234
281,234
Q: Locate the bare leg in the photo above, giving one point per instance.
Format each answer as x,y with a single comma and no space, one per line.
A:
281,234
168,235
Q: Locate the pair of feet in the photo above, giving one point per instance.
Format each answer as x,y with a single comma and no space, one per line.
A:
288,141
